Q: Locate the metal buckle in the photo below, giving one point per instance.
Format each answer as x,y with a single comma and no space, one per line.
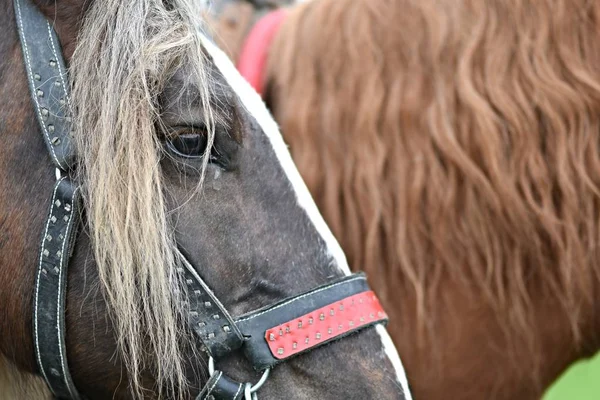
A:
249,389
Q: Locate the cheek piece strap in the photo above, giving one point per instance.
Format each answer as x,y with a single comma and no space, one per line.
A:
266,337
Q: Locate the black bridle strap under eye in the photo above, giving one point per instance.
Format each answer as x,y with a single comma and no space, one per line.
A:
207,317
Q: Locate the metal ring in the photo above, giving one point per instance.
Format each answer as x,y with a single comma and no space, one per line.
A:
261,381
211,366
249,388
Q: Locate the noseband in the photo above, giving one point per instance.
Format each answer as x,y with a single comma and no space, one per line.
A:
267,336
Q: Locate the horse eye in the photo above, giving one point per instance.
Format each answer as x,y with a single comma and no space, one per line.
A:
188,144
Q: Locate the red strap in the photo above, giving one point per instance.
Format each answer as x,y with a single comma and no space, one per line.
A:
253,57
324,324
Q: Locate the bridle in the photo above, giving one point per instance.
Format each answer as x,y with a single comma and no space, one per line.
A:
246,30
267,336
234,19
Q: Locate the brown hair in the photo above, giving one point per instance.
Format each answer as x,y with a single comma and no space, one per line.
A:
452,141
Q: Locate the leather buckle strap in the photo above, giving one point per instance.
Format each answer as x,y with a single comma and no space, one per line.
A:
51,287
304,322
207,317
221,387
47,81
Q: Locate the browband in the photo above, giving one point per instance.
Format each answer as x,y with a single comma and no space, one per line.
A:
267,336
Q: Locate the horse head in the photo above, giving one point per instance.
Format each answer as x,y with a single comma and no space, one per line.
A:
187,190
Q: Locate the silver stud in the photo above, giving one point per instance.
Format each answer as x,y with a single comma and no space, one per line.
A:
322,316
49,238
362,319
226,329
201,324
44,112
66,218
55,141
44,271
40,93
318,335
207,304
194,314
216,316
60,237
52,63
197,292
372,315
294,345
62,102
179,270
271,337
360,301
37,77
281,332
306,340
331,312
188,282
351,323
59,253
57,83
280,351
54,372
287,329
53,219
67,207
310,320
300,325
46,253
57,203
211,335
330,331
340,327
341,307
56,270
51,128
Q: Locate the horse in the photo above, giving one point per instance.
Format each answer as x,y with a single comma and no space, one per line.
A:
192,214
453,148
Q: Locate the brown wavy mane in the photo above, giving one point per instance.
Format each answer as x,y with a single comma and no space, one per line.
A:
453,145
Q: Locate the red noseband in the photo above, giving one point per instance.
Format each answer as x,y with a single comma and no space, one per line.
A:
255,51
324,324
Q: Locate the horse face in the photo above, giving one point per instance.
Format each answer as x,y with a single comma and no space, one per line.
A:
251,231
255,235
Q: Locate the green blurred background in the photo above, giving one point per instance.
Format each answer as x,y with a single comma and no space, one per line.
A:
580,382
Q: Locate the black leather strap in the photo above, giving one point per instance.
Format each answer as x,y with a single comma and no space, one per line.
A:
220,387
51,286
254,325
208,317
48,83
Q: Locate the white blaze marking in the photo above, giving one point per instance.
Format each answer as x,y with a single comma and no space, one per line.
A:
257,108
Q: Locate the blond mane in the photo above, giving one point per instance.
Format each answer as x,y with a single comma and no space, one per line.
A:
452,141
126,52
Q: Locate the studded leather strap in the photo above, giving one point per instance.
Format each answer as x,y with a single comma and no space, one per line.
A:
48,83
51,287
208,318
271,332
220,387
